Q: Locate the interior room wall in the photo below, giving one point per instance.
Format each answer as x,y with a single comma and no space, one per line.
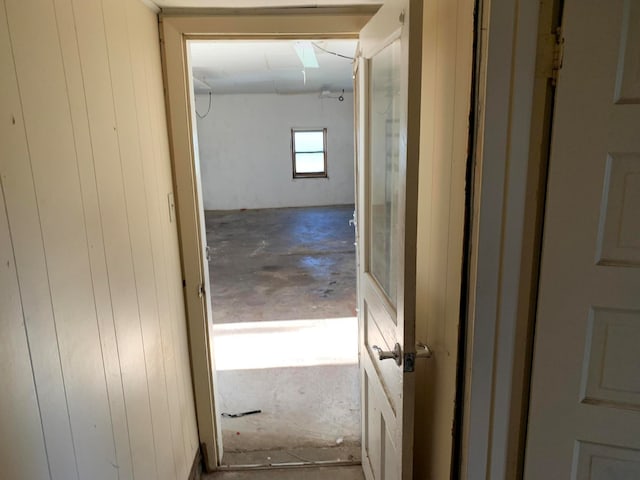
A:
447,61
245,150
93,352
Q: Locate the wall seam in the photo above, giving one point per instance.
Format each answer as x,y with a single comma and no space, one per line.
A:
44,249
86,238
26,332
130,240
148,223
104,252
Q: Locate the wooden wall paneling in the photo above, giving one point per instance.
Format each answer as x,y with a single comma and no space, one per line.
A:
172,257
424,412
97,276
22,214
138,19
21,435
135,196
446,81
50,137
100,280
435,312
99,96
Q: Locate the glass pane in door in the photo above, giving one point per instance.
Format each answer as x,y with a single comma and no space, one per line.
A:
384,157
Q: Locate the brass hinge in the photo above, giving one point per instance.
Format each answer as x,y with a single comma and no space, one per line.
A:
558,55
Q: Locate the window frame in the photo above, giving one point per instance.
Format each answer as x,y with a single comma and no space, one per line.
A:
296,174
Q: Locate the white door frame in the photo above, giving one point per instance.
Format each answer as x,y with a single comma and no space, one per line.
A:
176,27
515,48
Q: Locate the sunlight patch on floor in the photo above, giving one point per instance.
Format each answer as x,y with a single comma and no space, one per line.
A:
288,343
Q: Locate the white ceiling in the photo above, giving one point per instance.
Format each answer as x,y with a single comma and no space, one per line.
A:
270,66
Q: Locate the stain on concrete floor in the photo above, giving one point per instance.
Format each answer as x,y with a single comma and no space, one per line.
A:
282,264
315,473
285,264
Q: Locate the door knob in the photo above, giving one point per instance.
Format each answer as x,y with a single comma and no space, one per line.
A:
395,354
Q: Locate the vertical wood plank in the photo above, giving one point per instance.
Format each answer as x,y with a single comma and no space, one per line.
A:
23,215
49,134
92,280
103,128
139,18
101,287
170,237
447,51
118,44
21,435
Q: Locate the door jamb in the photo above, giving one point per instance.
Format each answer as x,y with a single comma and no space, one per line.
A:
176,27
513,123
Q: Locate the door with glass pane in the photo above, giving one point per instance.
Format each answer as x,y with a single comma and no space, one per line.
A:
387,178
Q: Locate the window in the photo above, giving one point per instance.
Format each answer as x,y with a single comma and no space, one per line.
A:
309,152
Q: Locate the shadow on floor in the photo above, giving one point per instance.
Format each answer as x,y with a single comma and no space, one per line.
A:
283,289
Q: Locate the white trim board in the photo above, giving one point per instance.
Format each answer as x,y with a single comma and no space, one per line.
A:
502,256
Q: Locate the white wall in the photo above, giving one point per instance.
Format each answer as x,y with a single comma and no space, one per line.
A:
447,62
245,150
93,351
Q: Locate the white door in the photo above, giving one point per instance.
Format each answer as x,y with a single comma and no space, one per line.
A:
387,198
584,418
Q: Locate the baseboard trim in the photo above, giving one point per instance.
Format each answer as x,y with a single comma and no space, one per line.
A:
196,467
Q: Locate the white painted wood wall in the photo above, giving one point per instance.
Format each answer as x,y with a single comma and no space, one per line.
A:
93,348
447,53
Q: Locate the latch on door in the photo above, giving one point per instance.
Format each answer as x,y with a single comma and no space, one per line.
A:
396,353
423,350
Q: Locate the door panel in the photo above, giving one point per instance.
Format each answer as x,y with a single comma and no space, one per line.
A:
387,204
584,419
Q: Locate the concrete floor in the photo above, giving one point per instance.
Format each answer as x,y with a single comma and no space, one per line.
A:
315,473
283,288
282,264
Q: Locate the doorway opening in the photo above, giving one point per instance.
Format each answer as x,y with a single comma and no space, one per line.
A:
275,154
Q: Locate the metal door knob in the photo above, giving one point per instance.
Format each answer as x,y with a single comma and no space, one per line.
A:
395,354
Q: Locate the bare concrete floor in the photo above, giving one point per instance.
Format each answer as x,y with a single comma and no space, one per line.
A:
315,473
282,263
283,287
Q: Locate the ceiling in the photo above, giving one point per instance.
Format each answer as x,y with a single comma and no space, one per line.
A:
271,66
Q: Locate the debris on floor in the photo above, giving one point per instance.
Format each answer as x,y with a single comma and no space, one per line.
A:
241,414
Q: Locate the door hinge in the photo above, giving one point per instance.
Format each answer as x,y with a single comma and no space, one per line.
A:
558,55
201,290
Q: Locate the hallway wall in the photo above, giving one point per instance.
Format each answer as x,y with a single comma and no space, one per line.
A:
447,62
245,150
93,351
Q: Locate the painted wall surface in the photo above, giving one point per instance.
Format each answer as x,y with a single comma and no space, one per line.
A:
245,150
93,351
447,61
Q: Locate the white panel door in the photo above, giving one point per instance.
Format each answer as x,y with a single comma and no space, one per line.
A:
584,418
388,139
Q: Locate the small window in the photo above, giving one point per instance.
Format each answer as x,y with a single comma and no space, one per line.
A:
309,152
